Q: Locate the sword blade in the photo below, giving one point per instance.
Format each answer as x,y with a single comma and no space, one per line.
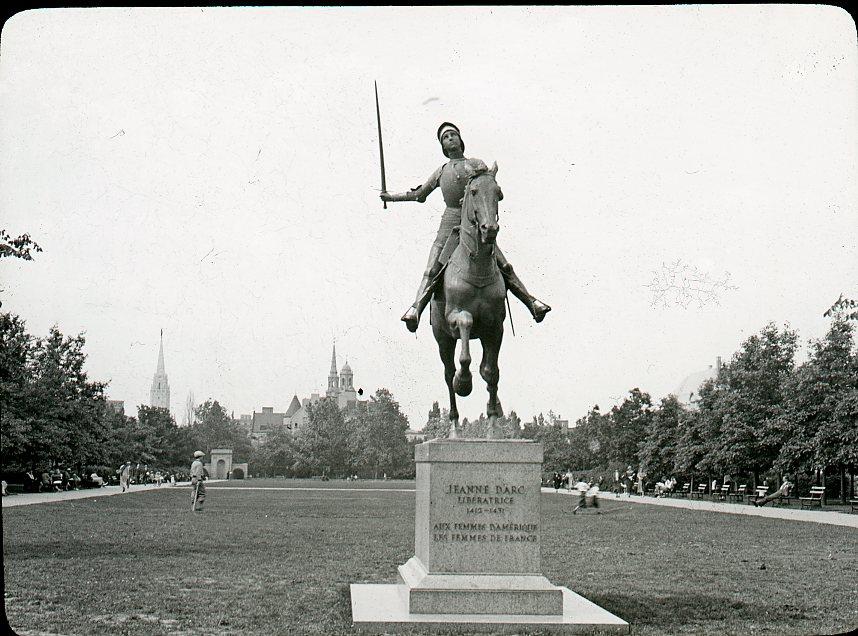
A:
380,144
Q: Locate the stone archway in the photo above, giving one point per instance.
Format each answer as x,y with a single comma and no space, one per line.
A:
220,469
237,473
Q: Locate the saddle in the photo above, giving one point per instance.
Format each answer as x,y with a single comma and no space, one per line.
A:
444,259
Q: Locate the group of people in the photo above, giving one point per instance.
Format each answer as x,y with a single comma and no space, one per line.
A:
588,491
58,479
129,474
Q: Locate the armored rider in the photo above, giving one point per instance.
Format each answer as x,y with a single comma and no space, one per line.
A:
452,178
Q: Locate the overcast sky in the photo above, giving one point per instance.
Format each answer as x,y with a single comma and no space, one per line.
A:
214,172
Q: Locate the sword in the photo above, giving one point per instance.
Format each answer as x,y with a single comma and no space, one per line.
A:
380,145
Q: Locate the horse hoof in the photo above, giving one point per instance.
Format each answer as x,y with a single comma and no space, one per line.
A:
539,310
462,386
411,319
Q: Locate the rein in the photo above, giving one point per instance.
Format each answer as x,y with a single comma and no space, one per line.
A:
470,217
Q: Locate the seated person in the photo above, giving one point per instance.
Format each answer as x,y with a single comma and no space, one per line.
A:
31,484
96,480
57,480
780,493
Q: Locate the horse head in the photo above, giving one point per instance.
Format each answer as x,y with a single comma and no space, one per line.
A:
481,204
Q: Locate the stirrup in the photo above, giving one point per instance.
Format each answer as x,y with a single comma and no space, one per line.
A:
538,309
411,318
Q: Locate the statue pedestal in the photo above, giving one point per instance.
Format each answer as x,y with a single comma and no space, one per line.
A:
477,549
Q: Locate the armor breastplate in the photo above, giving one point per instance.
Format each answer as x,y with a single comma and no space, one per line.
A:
454,178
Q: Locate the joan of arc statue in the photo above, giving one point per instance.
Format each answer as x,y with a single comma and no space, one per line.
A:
452,177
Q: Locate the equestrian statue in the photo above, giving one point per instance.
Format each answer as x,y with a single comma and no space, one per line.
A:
467,276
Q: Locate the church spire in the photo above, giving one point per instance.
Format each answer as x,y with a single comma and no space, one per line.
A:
333,377
159,394
160,369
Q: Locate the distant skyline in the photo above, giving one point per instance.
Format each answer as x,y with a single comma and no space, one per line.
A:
675,177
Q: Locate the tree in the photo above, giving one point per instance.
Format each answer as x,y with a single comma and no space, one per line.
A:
627,425
437,424
753,395
162,443
322,444
16,350
19,247
657,451
377,440
50,411
277,455
818,424
190,408
842,307
214,428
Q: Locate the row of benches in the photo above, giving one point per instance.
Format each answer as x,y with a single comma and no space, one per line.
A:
816,498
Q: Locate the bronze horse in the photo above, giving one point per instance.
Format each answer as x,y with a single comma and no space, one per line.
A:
470,304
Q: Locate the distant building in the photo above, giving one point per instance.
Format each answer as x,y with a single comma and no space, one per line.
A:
415,436
117,406
340,388
221,466
159,395
265,423
688,392
245,422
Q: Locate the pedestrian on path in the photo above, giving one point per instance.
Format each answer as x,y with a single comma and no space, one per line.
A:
198,488
125,476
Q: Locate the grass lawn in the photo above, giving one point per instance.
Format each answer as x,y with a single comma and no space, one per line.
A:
280,562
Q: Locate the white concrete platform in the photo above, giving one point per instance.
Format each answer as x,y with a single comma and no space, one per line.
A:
380,608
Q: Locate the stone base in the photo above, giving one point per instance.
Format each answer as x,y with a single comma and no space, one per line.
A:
516,594
382,608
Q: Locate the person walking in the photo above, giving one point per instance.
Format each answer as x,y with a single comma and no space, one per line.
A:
198,488
125,476
582,487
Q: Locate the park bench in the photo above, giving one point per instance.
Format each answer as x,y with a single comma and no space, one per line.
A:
686,489
785,500
14,489
762,491
701,491
723,493
817,494
854,504
739,495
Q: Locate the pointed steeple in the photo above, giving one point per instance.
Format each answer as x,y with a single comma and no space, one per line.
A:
159,395
160,369
333,377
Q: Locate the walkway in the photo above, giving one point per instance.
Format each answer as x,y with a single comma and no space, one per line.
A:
815,516
26,499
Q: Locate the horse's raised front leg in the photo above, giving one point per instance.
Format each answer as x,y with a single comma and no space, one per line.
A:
461,323
447,351
490,372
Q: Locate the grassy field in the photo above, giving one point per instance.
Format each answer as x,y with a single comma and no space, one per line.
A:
280,562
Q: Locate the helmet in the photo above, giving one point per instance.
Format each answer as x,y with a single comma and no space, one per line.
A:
444,128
